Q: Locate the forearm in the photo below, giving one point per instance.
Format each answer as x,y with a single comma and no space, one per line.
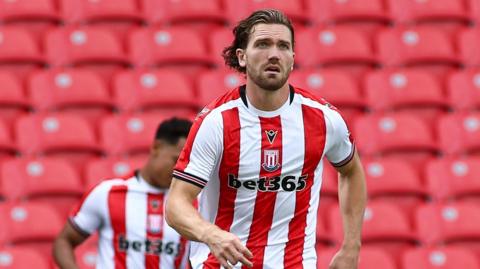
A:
63,252
353,198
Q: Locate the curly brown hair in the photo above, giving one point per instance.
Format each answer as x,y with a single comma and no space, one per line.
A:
243,30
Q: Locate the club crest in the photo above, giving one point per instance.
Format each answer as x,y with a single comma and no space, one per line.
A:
154,224
271,160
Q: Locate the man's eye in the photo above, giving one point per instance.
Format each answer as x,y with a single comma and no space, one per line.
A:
262,45
284,46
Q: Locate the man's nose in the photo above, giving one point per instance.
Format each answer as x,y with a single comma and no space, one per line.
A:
273,54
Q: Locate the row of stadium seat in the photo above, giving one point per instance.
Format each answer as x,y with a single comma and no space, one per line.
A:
455,134
223,11
148,46
370,257
146,89
386,227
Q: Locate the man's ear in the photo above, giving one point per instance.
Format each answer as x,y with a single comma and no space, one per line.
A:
241,57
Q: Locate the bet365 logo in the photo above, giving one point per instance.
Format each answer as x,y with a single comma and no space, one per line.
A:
278,183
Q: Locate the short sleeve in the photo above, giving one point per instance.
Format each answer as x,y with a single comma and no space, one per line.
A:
87,217
340,147
202,151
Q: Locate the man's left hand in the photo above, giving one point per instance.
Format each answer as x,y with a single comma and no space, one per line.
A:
345,258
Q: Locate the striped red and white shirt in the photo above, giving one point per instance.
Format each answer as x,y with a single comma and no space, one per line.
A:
128,215
261,173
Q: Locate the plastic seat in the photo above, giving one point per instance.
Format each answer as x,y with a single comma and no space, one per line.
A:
21,258
57,135
77,11
439,258
86,46
416,46
147,90
28,10
395,181
217,41
370,257
237,10
49,180
86,257
215,83
31,224
453,178
474,7
7,145
454,224
98,170
407,91
468,42
423,11
393,133
79,92
344,11
459,133
326,84
129,134
463,89
333,46
171,12
385,226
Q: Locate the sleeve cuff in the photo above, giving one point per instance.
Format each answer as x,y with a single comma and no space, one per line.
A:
346,160
77,228
197,181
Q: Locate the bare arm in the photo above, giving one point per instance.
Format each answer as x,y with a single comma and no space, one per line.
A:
352,196
64,245
185,219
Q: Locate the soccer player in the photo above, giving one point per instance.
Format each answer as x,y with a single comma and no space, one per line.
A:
255,154
128,213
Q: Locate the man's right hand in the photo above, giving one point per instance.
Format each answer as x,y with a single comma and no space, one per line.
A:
227,248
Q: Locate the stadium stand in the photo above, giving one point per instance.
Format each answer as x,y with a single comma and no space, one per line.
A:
443,257
463,89
98,170
22,258
13,100
459,133
213,84
370,257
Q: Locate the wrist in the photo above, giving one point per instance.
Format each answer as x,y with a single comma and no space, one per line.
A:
207,231
351,245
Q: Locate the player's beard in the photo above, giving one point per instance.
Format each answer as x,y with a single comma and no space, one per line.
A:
262,79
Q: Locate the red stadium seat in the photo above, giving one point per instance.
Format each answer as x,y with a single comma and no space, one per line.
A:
7,145
129,134
323,236
385,226
216,83
464,89
439,258
171,12
451,224
82,46
405,90
28,10
13,100
237,10
333,46
395,181
427,48
77,11
474,6
370,257
390,134
409,11
218,40
86,256
329,11
31,224
459,133
19,52
454,178
147,90
22,258
79,92
57,135
468,42
53,181
100,169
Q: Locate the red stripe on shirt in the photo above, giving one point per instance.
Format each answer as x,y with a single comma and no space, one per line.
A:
265,201
229,165
314,133
184,158
116,207
154,227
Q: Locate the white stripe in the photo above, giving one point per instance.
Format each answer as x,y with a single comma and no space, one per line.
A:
309,254
169,235
106,252
249,169
135,222
292,145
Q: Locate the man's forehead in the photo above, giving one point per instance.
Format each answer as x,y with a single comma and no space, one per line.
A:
275,31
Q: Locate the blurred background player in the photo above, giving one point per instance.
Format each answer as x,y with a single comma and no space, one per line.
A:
128,213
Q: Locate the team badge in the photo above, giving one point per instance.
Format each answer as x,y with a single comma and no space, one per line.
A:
271,134
270,160
154,223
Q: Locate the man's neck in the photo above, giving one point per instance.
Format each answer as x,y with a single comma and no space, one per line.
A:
267,100
148,177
